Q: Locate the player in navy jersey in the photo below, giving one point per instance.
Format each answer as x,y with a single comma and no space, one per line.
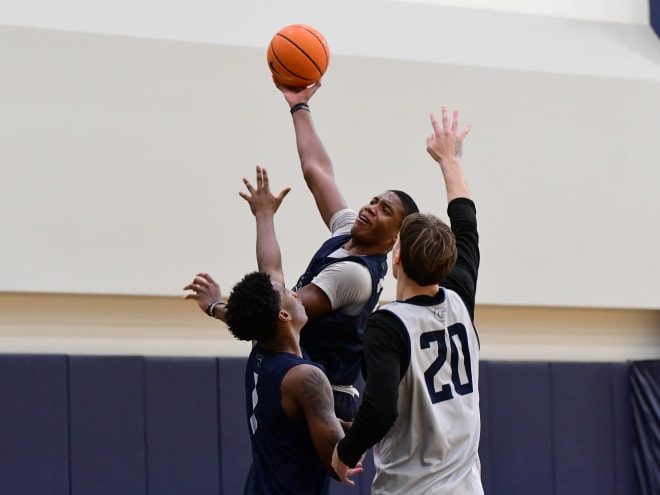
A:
342,284
289,401
421,353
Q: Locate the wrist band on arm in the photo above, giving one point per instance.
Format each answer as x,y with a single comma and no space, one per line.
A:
211,307
299,106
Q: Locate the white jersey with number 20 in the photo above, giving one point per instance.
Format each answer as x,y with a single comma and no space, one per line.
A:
438,419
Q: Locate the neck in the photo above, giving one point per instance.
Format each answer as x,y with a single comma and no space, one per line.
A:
364,250
287,340
406,288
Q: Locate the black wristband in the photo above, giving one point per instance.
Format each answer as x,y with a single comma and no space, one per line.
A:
211,307
299,106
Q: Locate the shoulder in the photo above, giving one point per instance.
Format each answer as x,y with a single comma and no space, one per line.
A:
306,378
307,382
342,221
304,388
384,324
352,272
347,284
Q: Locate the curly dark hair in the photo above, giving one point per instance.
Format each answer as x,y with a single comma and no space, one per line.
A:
252,308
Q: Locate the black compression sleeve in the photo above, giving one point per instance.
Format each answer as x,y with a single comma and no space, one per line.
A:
462,279
386,358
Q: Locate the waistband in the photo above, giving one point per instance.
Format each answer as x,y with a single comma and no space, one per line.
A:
346,389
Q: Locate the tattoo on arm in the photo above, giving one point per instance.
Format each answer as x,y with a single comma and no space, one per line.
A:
459,148
316,390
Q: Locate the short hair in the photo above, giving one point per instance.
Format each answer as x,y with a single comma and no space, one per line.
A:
409,205
428,248
253,307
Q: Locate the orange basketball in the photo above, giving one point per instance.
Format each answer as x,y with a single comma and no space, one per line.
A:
298,56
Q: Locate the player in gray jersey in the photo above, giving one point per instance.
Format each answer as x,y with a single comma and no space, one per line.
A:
420,410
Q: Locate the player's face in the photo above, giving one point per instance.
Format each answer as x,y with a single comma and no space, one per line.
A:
380,220
291,303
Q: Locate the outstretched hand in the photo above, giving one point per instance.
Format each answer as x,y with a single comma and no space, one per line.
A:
343,471
260,199
446,143
297,95
204,289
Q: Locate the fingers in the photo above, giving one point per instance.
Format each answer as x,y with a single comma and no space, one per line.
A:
454,122
445,118
206,277
249,186
262,173
465,132
358,469
262,181
283,193
435,124
201,282
445,127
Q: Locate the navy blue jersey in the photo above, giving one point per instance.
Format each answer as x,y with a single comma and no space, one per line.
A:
335,340
284,460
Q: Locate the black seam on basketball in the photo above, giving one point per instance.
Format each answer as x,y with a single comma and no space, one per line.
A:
275,71
289,73
321,41
303,52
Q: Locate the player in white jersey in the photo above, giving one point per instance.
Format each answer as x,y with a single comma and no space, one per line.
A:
420,410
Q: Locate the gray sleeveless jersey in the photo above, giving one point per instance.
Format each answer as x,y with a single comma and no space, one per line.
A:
432,446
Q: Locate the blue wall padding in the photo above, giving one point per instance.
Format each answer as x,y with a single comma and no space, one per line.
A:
582,411
107,425
520,428
34,436
108,455
625,482
486,429
182,426
235,453
367,476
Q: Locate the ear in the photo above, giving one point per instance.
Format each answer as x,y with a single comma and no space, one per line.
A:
396,256
284,315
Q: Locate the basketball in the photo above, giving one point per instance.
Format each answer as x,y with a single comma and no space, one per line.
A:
298,56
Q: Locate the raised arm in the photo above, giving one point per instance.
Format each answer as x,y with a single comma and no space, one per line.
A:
315,162
307,396
445,145
264,205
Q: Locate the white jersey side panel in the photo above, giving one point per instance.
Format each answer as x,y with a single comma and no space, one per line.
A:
432,446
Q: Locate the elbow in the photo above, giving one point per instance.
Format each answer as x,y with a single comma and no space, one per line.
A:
309,170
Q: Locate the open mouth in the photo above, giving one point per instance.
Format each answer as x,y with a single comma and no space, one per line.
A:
362,218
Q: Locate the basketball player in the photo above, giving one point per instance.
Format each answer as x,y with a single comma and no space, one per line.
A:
342,284
289,403
421,398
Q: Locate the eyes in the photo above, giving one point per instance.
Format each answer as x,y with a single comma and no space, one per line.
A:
385,207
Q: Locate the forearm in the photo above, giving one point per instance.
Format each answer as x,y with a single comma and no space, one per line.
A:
314,158
463,276
455,181
269,257
384,359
